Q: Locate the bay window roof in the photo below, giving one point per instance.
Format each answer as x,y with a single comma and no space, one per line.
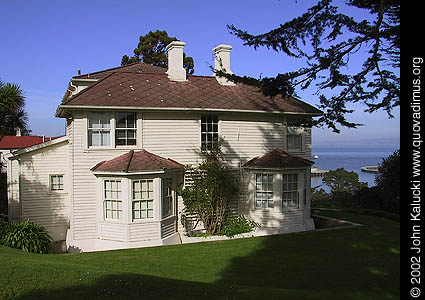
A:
277,159
136,162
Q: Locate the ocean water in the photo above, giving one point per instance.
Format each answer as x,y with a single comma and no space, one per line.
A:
351,159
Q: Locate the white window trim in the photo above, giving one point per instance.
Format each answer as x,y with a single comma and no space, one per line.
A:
114,117
156,200
64,190
123,200
200,127
172,209
112,128
296,130
277,190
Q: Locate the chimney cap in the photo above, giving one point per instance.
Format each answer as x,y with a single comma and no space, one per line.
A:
175,44
222,47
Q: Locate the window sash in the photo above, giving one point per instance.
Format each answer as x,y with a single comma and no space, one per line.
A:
167,197
264,191
99,130
56,182
126,127
290,194
142,199
112,199
209,132
294,141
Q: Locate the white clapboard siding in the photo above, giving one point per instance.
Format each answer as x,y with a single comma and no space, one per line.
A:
39,203
147,231
168,227
173,135
13,190
85,196
113,231
278,219
247,138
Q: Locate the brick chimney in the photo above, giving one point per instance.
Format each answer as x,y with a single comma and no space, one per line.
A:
176,72
222,62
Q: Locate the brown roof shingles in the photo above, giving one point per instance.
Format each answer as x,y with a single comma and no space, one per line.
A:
138,67
140,161
278,159
198,92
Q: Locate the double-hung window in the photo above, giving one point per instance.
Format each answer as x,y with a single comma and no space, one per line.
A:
209,132
125,129
99,130
143,199
112,199
290,195
264,190
294,138
56,182
167,197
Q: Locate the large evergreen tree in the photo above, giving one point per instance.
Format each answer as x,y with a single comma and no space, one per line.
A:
151,50
12,113
330,43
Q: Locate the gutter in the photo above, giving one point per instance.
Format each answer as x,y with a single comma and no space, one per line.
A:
61,108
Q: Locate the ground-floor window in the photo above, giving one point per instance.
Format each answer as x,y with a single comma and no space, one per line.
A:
112,199
290,196
143,196
264,190
56,182
167,197
271,186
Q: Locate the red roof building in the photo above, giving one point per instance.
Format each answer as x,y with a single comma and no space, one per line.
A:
10,142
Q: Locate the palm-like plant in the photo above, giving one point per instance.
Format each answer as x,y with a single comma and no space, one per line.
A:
12,113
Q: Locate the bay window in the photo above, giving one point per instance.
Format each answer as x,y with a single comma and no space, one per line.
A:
264,190
290,196
167,197
112,202
143,198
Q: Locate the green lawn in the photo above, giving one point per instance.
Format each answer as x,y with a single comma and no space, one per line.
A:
351,263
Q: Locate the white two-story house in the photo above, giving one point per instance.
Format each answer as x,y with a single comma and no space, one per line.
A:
111,182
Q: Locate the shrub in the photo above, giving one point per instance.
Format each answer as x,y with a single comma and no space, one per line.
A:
319,195
237,224
207,198
388,182
3,230
27,236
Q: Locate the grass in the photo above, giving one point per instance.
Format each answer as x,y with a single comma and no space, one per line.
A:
350,263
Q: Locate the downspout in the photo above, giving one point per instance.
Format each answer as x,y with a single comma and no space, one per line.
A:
21,207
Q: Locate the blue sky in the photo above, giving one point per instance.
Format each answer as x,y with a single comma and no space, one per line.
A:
44,43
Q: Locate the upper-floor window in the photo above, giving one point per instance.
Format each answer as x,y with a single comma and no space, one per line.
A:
99,129
125,131
209,131
294,139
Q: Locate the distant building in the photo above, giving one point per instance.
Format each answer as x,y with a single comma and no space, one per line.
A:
9,143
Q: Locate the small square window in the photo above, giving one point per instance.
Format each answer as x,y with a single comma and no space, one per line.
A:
56,182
